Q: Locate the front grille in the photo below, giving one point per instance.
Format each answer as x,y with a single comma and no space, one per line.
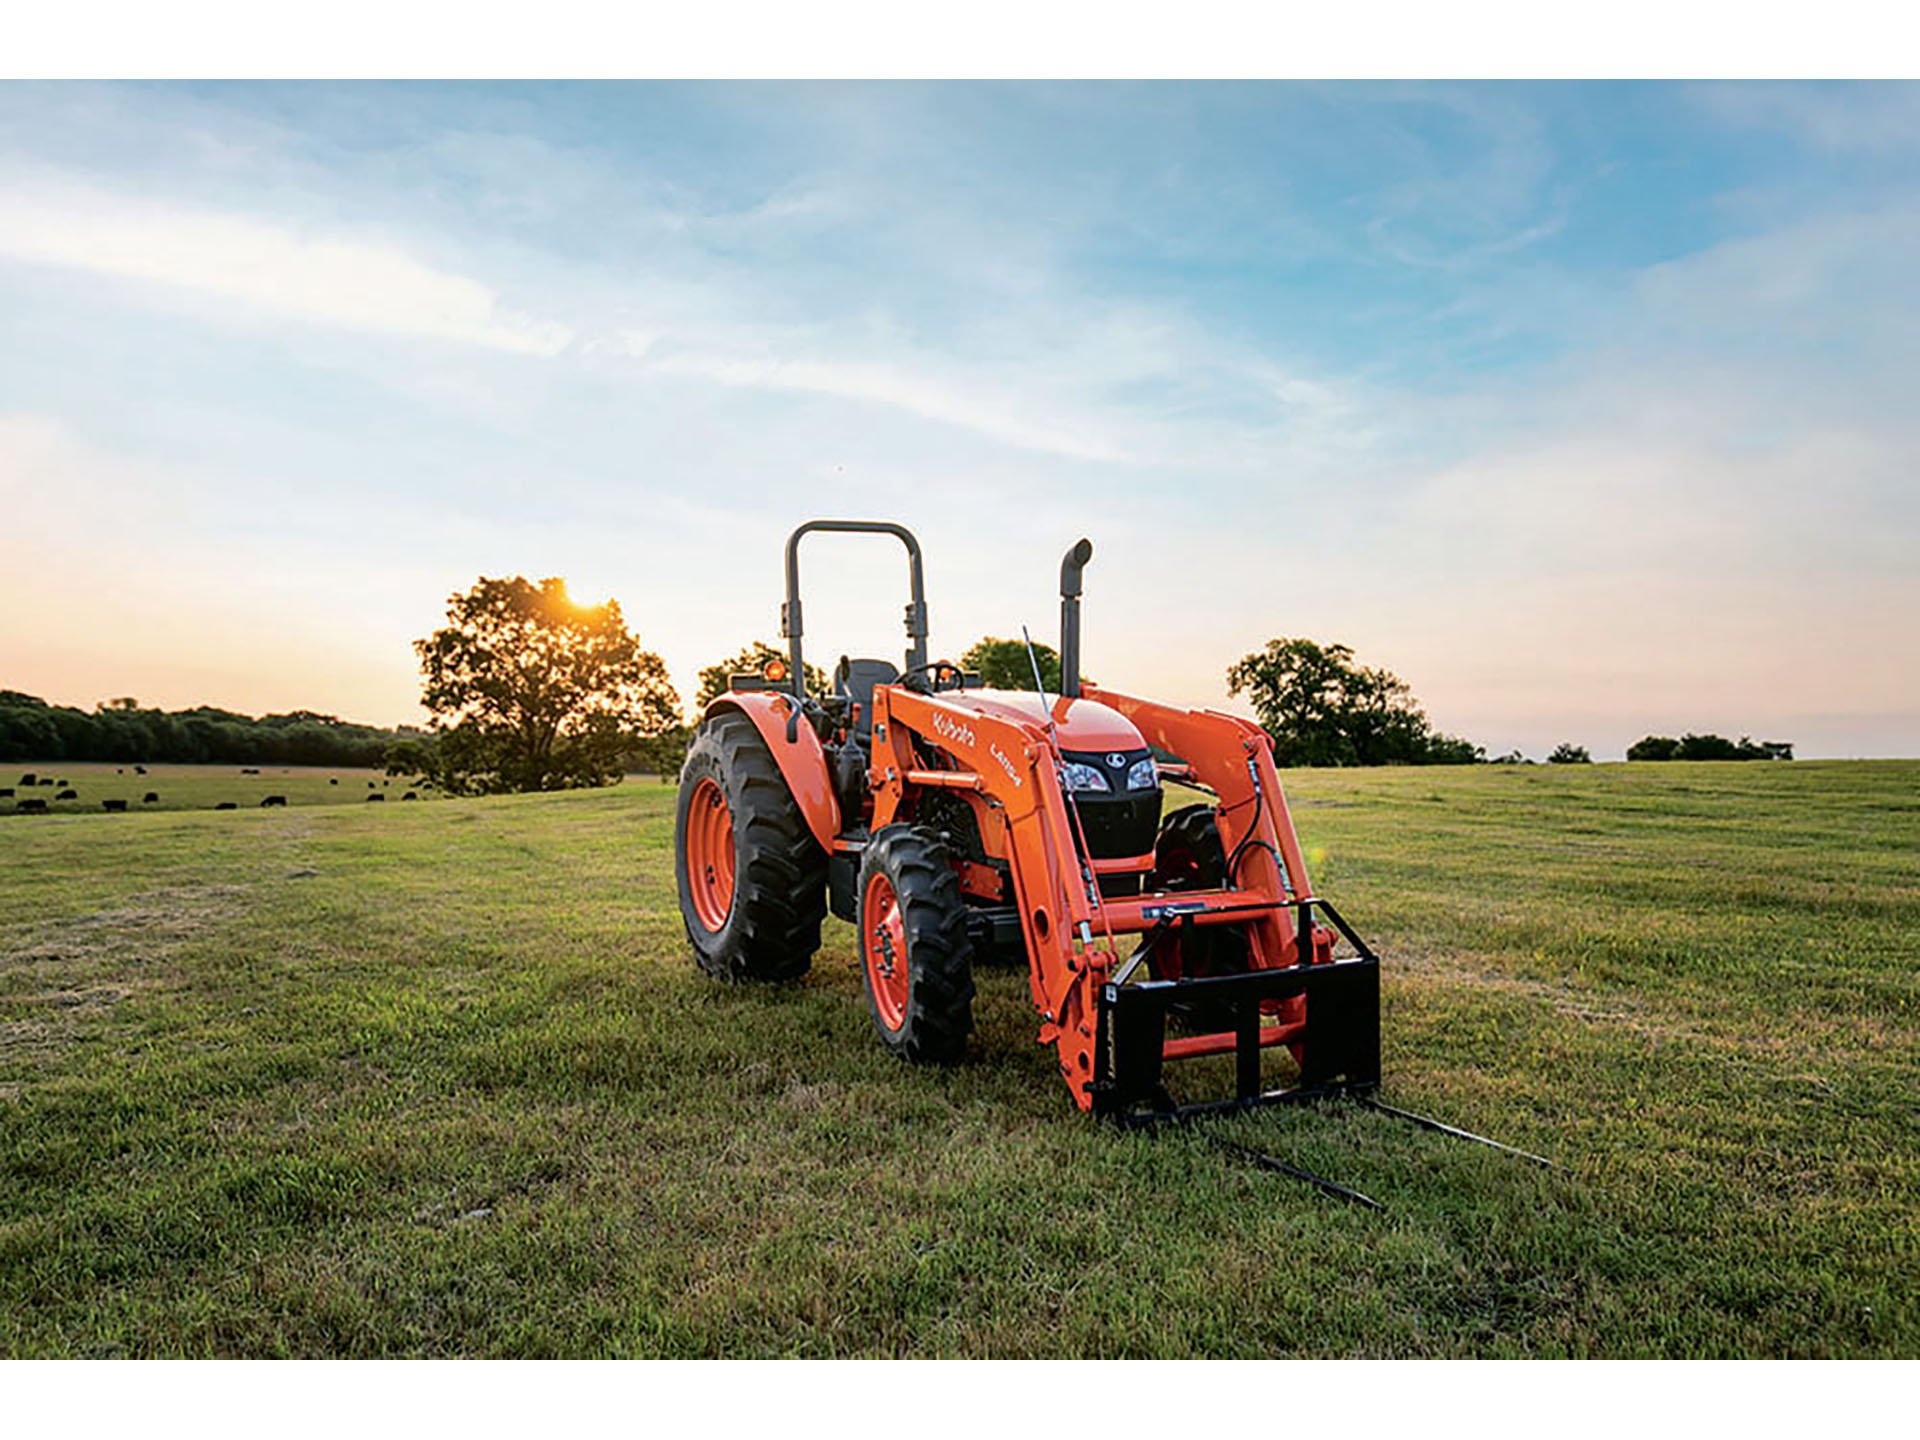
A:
1121,824
1119,827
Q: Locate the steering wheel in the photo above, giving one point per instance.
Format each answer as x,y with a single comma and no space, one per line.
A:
935,675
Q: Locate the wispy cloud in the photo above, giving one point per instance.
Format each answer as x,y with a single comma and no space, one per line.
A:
329,279
1839,117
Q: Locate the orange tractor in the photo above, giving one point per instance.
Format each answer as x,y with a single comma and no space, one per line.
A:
947,821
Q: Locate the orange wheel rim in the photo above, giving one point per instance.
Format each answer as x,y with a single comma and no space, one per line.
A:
710,854
883,945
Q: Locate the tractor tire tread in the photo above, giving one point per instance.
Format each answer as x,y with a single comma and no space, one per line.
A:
780,871
939,1014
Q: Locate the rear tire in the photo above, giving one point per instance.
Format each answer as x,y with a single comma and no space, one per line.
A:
914,950
753,880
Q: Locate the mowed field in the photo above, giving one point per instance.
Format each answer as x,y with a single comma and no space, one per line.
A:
192,787
441,1080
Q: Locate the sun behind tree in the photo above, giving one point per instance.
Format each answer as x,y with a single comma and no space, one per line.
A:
531,691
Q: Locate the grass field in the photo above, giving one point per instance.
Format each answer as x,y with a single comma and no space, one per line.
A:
192,787
440,1079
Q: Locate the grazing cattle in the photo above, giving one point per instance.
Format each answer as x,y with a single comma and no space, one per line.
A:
152,797
248,770
333,780
273,800
139,769
6,794
68,795
375,797
33,807
410,795
113,804
369,785
63,782
29,779
49,781
227,805
118,770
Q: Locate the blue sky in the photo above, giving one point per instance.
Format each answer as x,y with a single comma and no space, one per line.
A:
1586,408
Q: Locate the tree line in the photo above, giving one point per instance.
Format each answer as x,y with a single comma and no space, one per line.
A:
530,690
123,730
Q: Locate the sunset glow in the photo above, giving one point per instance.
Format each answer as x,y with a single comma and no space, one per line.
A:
1584,408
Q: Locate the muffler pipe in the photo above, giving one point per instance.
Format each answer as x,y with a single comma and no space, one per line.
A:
1070,567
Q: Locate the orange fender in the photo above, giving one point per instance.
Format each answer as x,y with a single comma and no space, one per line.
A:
802,761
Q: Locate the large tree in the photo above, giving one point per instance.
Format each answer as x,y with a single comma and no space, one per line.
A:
530,691
1324,709
715,678
1005,664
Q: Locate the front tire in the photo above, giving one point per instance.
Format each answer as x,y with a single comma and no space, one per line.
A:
753,880
914,949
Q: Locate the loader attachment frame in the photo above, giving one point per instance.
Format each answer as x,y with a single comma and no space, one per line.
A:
1337,1039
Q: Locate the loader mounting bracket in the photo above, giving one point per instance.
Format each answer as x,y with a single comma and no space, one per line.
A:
1339,1042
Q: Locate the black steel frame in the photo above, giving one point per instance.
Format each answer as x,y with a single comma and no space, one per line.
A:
790,612
1340,1046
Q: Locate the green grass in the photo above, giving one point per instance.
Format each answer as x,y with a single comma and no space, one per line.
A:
192,787
441,1080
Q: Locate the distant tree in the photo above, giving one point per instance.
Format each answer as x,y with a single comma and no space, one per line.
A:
1323,709
530,691
409,757
1708,747
1005,664
665,753
714,679
1567,753
119,730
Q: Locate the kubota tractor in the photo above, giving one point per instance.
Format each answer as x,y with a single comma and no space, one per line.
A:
945,820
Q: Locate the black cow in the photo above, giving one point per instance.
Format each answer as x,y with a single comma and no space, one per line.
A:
410,795
376,796
273,800
68,795
369,785
49,781
152,797
249,770
6,794
333,780
139,769
29,779
113,804
226,805
33,807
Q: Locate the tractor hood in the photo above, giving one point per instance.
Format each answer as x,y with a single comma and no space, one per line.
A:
1083,725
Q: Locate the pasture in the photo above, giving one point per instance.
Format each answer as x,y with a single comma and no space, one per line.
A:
192,787
441,1080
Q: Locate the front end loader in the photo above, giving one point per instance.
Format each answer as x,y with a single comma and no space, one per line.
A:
948,821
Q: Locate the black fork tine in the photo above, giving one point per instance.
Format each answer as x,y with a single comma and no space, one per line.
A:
1270,1162
1455,1131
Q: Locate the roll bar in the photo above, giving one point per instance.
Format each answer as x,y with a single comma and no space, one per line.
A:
790,620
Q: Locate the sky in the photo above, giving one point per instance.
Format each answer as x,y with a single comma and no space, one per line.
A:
1587,409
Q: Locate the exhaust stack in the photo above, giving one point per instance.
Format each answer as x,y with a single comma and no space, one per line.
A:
1070,568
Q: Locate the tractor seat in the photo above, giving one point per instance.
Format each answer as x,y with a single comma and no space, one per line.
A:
855,680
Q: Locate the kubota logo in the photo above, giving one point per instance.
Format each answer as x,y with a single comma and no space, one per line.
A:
952,729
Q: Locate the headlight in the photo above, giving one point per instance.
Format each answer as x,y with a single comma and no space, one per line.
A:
1144,775
1076,776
